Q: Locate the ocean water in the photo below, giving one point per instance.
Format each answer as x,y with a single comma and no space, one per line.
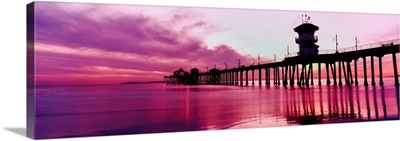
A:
73,111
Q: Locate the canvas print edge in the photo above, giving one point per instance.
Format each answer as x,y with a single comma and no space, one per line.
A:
30,58
30,71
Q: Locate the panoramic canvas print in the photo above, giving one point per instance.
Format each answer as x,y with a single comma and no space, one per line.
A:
108,69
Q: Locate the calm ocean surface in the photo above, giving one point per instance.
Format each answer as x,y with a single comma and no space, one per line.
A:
71,111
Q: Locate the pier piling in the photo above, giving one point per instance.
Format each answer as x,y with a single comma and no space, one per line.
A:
380,71
365,71
396,76
372,71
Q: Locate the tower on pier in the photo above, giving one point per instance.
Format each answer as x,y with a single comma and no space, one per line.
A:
306,38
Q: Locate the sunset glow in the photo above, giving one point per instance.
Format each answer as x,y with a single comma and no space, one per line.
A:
78,44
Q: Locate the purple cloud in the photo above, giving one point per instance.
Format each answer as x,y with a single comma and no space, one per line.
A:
148,43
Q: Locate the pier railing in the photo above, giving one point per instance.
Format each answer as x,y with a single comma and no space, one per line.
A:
264,62
354,48
332,51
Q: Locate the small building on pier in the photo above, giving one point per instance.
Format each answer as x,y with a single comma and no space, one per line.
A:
306,38
181,76
194,76
215,76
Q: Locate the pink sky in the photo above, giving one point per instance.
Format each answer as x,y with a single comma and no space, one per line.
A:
110,44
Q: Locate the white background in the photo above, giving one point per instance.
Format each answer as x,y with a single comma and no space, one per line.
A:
13,77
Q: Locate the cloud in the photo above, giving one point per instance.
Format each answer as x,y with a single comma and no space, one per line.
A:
99,40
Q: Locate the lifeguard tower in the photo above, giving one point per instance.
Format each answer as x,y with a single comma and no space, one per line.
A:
306,38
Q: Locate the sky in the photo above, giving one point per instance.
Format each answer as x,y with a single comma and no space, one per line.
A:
78,44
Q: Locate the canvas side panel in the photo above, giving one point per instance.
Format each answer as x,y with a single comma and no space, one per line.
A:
30,72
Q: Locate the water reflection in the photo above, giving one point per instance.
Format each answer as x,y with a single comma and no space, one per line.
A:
151,108
342,104
383,102
375,103
321,103
358,103
367,100
397,98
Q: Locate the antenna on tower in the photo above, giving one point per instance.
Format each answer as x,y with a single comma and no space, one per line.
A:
288,49
336,43
357,41
305,16
259,58
226,65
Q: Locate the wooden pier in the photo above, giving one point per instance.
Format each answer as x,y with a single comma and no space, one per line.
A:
299,69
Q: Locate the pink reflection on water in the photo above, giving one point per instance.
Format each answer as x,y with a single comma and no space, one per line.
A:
149,108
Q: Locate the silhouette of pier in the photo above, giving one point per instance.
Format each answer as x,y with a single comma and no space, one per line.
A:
299,66
299,69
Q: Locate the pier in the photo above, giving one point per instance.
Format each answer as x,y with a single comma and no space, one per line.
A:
297,69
